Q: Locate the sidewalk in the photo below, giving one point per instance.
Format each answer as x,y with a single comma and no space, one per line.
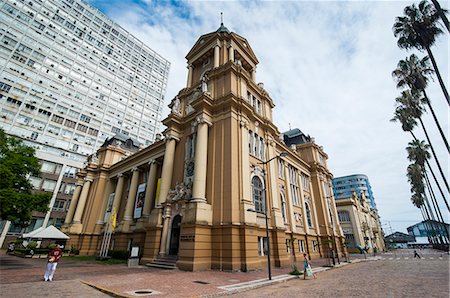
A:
19,275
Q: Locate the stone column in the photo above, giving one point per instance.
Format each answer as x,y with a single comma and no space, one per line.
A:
245,167
231,54
273,166
288,198
254,74
108,190
216,56
73,203
82,201
118,193
167,169
189,78
129,208
165,232
246,200
201,159
150,191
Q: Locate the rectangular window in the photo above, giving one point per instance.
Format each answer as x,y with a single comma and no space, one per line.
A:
315,246
82,128
70,123
69,189
350,240
262,246
59,205
344,216
85,118
57,119
305,182
280,168
93,132
288,246
36,182
293,181
301,246
4,87
49,185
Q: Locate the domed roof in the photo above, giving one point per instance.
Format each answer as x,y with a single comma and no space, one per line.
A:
222,28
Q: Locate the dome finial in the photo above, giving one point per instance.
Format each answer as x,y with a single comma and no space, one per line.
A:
222,28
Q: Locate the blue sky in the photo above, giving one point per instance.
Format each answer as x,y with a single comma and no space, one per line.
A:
326,64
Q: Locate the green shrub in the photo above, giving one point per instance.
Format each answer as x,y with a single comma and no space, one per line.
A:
295,271
74,250
52,246
119,254
32,245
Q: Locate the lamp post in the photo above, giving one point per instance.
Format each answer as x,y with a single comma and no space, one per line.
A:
282,154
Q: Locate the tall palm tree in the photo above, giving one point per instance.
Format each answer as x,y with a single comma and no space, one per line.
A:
442,13
418,153
418,28
410,103
436,208
416,176
403,115
413,73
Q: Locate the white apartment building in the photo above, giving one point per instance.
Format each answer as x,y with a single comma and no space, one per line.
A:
70,78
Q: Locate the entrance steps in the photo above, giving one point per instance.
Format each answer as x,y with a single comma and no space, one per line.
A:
167,263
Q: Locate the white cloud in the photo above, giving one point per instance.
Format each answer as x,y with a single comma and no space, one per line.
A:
327,65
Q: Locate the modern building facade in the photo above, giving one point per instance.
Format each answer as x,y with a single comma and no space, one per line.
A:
344,187
360,224
430,231
200,195
69,79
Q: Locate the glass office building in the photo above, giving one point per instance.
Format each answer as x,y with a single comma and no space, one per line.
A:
344,187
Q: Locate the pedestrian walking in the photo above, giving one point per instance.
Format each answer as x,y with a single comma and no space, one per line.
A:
307,271
416,255
52,261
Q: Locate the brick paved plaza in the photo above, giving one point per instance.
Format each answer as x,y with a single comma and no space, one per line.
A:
395,275
391,275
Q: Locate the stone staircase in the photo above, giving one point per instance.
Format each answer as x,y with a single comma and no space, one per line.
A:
167,263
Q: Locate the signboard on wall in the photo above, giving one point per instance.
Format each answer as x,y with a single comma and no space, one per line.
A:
139,201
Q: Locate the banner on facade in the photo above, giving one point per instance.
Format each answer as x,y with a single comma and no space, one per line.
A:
139,201
158,187
109,207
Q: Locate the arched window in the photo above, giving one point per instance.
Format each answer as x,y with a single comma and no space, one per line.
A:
308,215
258,195
283,207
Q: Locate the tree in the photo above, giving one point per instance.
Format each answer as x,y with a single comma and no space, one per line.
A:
418,153
442,13
419,29
17,163
413,73
410,105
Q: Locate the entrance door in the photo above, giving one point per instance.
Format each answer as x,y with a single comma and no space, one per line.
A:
175,236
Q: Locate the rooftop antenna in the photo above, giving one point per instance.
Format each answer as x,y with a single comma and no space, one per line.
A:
289,126
221,18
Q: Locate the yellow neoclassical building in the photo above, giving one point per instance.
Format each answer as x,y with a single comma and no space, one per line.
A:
199,194
360,224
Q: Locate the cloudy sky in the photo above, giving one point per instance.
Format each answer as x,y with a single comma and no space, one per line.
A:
326,64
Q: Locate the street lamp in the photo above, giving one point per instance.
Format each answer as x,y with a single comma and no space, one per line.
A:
282,154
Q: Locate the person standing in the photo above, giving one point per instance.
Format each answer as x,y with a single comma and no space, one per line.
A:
52,261
307,271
